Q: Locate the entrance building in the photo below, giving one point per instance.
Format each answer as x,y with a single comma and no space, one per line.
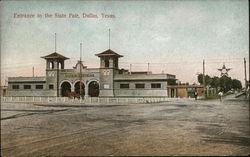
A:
106,81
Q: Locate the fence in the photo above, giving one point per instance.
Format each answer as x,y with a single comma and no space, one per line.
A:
88,100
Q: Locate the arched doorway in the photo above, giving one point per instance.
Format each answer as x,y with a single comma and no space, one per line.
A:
77,88
65,89
93,89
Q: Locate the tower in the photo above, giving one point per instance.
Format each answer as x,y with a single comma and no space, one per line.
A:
54,62
108,66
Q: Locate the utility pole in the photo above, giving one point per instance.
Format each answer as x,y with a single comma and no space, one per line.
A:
204,84
109,38
57,72
130,68
33,72
80,70
148,68
55,42
245,72
57,81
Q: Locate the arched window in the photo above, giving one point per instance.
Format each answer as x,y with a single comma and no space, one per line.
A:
106,61
51,65
116,63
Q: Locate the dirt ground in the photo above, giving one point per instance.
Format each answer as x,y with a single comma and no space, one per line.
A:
177,127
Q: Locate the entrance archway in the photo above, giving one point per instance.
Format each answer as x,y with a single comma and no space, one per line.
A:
65,89
93,89
77,88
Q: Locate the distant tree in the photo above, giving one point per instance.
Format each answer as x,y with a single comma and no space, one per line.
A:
208,79
236,84
215,83
200,78
225,83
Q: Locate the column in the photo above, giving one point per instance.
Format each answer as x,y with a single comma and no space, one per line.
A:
60,91
86,90
72,88
175,93
62,64
47,65
56,64
111,62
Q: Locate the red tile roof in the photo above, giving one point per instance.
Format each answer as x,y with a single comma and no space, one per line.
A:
55,55
108,53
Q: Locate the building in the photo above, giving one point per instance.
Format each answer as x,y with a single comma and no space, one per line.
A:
106,81
3,91
185,91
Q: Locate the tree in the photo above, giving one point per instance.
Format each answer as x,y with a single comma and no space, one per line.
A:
208,79
215,83
225,83
236,84
200,78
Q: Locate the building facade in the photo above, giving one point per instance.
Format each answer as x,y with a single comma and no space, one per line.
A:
106,81
185,91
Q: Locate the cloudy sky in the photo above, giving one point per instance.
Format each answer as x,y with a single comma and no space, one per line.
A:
173,36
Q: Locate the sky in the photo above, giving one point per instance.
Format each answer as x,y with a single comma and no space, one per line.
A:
172,36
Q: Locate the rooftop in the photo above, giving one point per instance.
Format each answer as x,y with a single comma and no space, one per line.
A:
26,79
108,53
145,77
55,55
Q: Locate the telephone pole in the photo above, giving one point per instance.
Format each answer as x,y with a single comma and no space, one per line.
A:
80,70
33,74
204,84
130,68
109,38
245,72
57,72
148,68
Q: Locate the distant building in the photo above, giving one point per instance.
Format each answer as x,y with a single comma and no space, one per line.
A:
106,81
3,90
185,91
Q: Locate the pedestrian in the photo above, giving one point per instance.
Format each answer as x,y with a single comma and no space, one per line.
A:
195,95
220,95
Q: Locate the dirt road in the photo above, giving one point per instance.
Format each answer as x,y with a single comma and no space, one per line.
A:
170,128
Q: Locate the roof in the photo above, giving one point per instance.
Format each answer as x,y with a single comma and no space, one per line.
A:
143,77
108,53
54,55
140,72
185,86
26,79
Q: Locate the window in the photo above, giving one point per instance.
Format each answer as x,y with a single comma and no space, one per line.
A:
116,63
27,86
140,85
15,86
106,63
124,85
155,85
51,86
51,65
39,86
